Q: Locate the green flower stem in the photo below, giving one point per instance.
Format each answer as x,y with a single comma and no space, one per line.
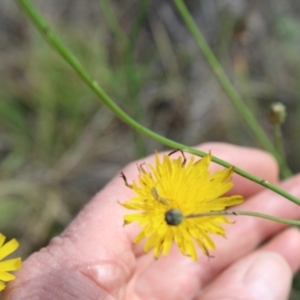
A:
56,43
245,213
228,87
278,140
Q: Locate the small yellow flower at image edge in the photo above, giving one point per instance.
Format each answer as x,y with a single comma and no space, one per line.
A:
8,265
170,197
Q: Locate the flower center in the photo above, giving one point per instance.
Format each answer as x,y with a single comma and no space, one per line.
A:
174,217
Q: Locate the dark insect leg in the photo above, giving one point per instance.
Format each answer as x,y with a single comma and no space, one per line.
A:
125,180
140,167
182,153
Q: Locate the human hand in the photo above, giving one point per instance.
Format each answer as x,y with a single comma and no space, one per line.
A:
94,258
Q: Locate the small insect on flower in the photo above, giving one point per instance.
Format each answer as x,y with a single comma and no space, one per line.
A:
171,199
10,264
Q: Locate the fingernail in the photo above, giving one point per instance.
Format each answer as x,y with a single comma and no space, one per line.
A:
269,278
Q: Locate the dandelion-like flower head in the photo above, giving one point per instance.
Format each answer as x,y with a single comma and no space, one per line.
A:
10,264
170,198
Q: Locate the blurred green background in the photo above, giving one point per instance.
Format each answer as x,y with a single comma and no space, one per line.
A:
59,145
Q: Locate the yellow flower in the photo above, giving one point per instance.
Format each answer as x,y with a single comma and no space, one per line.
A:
10,264
170,198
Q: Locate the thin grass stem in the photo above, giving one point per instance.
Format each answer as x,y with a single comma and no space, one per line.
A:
228,87
58,45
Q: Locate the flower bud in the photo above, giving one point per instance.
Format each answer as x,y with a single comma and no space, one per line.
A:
277,113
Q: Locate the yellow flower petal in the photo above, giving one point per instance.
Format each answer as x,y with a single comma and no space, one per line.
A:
227,201
2,286
8,248
2,239
168,240
168,196
10,264
132,218
5,276
151,242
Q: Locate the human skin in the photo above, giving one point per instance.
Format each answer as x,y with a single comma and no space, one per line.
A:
95,258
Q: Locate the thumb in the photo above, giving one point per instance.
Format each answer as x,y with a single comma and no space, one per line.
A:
262,275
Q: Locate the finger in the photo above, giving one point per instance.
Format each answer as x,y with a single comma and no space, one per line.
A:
248,232
265,274
94,252
287,244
